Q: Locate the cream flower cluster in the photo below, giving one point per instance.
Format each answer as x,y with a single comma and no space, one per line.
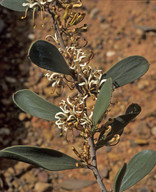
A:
56,78
73,115
78,55
90,81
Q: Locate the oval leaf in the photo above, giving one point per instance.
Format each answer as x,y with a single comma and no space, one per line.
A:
119,123
15,5
102,102
118,178
46,158
127,70
47,56
33,104
138,167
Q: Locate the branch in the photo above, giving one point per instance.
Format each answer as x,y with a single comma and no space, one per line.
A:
58,33
61,41
93,167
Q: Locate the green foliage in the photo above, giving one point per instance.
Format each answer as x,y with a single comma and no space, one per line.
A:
47,56
119,123
118,178
102,102
15,5
33,104
137,168
46,158
127,70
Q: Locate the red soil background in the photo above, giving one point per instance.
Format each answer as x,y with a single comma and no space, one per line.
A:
117,29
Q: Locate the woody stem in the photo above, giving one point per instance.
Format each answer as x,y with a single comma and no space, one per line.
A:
93,167
58,33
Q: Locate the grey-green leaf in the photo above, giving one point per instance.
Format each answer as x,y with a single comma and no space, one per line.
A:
33,104
138,167
102,102
43,157
119,123
47,56
15,5
127,70
118,178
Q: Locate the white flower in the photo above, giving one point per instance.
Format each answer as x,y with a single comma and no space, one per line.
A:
55,38
56,78
33,3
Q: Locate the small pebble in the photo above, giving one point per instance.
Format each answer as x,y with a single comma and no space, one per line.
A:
154,131
141,142
10,79
31,36
22,116
43,177
143,131
144,189
4,131
43,187
110,53
105,26
143,84
94,12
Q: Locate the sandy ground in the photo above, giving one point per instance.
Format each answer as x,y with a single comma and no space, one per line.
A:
117,29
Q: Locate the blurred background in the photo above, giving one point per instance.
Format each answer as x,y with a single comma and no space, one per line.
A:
116,29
